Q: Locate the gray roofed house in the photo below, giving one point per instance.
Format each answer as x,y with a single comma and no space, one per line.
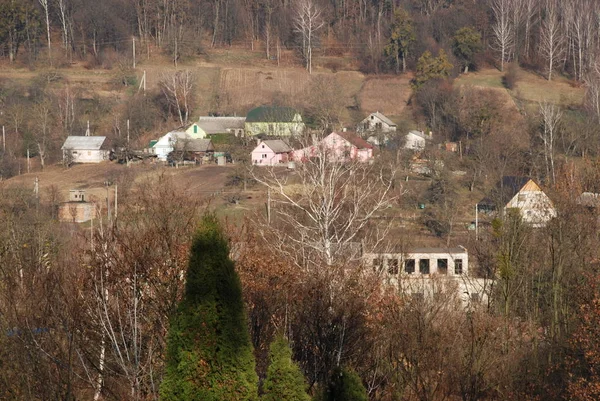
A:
271,153
222,125
416,140
277,145
376,122
194,145
85,149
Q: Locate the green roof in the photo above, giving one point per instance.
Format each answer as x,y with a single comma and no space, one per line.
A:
152,143
270,114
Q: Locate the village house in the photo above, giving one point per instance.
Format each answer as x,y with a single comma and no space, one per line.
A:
588,199
165,145
423,272
222,125
197,150
338,147
376,123
274,122
271,153
85,149
77,209
416,140
524,195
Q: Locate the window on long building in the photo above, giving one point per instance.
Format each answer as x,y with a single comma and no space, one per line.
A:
409,266
458,266
424,266
392,266
442,266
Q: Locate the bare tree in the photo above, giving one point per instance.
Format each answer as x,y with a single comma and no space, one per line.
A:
307,22
327,209
503,30
178,89
45,6
551,38
43,112
551,115
530,13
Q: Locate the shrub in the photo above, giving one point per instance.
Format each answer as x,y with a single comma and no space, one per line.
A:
509,80
284,381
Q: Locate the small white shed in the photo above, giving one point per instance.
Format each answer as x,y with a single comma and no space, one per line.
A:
85,149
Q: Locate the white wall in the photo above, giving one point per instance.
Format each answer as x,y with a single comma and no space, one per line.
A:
89,156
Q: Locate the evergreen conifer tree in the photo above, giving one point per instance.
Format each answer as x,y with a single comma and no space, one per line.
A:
345,385
284,381
209,354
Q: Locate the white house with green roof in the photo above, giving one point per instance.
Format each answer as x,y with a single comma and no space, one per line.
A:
274,121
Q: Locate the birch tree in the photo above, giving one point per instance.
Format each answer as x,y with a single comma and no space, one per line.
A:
551,39
503,30
551,115
178,89
307,22
327,208
44,4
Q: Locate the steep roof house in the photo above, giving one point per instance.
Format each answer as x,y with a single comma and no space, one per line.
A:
222,125
376,122
85,149
523,194
274,121
271,153
192,149
338,146
77,209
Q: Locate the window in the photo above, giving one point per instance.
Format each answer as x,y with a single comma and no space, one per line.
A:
378,125
372,117
522,198
424,266
195,129
263,146
392,265
442,266
458,266
264,155
409,266
377,264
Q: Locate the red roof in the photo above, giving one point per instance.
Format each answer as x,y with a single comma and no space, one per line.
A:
355,140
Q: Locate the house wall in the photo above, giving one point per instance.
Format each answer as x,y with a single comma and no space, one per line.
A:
340,149
414,142
89,156
535,206
263,156
77,212
387,262
196,132
274,129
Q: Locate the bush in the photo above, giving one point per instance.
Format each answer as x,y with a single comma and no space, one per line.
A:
345,385
284,381
509,80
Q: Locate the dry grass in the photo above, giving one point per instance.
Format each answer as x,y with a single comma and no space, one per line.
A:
388,95
530,88
201,181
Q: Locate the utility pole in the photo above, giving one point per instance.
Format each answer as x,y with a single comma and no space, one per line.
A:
116,201
476,222
3,139
269,205
133,37
28,163
107,183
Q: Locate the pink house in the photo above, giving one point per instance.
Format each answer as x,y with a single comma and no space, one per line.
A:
338,146
271,153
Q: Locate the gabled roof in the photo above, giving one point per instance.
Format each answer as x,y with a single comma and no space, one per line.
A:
507,188
276,145
220,125
194,145
269,114
383,118
84,142
354,140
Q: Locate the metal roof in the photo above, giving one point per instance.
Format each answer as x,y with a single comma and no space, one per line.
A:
194,145
271,114
383,118
84,142
220,125
277,145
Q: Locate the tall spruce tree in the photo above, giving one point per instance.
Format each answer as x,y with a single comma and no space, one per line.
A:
284,381
209,354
